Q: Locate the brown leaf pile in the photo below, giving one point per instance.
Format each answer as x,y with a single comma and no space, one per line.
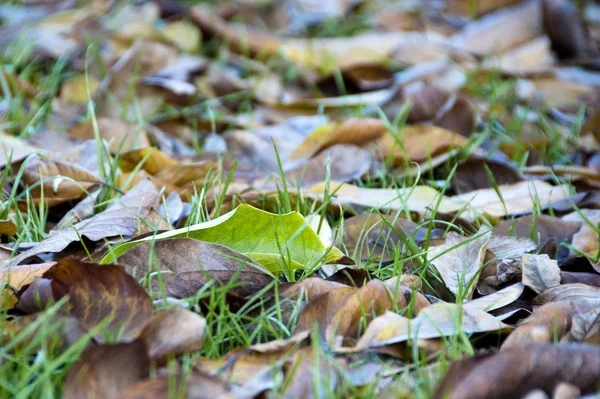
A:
443,160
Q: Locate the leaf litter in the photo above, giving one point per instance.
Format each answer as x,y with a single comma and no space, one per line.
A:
292,199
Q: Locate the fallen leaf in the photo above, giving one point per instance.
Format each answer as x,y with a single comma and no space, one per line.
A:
122,136
585,241
16,277
566,28
541,228
497,300
437,320
570,292
554,321
540,272
370,300
501,30
417,199
119,219
459,261
56,181
105,371
173,332
196,385
101,294
515,372
518,198
266,236
181,266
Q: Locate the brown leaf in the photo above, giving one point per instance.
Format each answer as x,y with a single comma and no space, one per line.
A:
459,261
506,28
370,77
515,372
172,332
310,288
473,175
15,278
367,236
61,180
481,6
100,293
547,323
196,385
543,227
191,264
8,228
517,198
437,320
580,277
580,293
305,365
540,272
119,219
585,241
370,300
566,28
123,136
104,371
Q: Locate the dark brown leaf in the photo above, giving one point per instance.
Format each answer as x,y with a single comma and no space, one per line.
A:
515,372
99,293
191,263
566,28
104,371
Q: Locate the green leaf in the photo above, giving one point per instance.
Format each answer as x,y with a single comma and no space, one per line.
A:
278,242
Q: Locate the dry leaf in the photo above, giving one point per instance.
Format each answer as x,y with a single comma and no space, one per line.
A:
515,372
540,272
172,332
187,264
104,371
119,219
101,294
459,261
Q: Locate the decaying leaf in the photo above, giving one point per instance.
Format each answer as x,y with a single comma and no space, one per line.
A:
185,265
459,262
540,272
105,371
119,219
173,332
101,294
438,320
519,370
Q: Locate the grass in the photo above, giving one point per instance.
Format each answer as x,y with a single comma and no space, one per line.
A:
33,361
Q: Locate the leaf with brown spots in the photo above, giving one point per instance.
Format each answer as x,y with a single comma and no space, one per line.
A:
101,292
